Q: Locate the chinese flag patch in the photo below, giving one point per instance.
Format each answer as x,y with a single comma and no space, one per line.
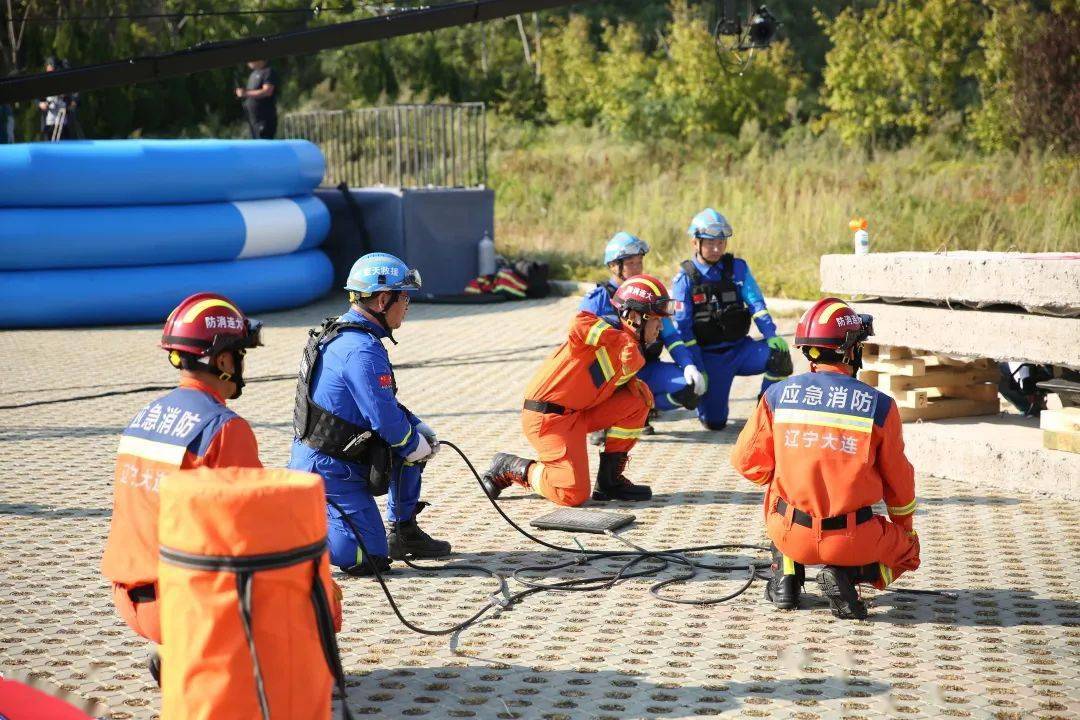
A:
700,298
386,381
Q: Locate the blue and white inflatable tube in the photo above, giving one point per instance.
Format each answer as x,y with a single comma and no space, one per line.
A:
107,296
155,172
92,237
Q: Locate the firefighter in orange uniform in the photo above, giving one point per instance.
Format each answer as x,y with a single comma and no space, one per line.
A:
206,337
589,384
826,447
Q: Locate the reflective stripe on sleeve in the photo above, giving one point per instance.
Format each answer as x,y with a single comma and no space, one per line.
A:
903,509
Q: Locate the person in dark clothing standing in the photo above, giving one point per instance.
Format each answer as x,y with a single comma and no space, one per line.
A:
57,111
260,100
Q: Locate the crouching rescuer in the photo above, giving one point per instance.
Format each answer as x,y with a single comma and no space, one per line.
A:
206,337
589,384
827,447
351,429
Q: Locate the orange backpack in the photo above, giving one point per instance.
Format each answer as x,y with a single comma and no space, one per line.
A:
247,603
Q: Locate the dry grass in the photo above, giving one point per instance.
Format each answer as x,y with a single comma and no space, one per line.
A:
563,191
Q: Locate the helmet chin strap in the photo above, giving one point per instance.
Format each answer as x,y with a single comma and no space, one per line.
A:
380,315
639,328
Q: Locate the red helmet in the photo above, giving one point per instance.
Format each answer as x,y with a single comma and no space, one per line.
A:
832,324
206,324
645,294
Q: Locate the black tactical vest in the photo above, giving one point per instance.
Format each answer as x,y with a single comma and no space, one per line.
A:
320,429
720,315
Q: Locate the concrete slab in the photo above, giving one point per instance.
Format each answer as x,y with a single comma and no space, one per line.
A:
977,333
1004,451
1046,283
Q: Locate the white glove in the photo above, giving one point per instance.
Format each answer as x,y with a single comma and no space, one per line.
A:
694,379
422,451
424,429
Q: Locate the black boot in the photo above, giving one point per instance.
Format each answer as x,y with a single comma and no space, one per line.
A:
611,484
714,426
785,587
153,664
687,398
505,470
406,539
838,584
365,567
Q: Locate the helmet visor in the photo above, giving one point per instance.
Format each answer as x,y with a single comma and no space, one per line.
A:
664,307
713,231
633,249
412,280
254,333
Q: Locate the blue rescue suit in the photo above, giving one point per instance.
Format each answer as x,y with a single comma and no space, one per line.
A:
663,378
723,361
355,381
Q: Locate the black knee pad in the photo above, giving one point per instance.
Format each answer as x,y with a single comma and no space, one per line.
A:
686,397
779,364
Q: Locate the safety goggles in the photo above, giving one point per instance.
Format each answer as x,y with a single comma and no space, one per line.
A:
411,281
713,231
632,249
251,338
664,307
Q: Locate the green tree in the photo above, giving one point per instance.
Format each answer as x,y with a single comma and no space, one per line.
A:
704,100
572,73
994,124
896,69
625,96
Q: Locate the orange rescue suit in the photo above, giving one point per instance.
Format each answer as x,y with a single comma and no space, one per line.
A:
188,428
828,445
591,376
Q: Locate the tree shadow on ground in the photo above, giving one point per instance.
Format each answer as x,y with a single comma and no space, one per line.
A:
997,607
34,510
515,691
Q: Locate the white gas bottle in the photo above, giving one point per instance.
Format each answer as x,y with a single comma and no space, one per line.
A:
486,253
862,237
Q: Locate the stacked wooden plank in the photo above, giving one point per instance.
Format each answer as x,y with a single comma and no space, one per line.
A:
929,386
1061,429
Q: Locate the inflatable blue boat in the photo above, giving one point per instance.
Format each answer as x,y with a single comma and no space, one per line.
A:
116,295
155,172
93,237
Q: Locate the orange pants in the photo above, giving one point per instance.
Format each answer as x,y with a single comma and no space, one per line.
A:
561,443
143,617
875,541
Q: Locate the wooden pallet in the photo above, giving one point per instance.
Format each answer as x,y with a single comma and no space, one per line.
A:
927,386
1061,429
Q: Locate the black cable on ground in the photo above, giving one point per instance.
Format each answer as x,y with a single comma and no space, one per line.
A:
503,599
497,356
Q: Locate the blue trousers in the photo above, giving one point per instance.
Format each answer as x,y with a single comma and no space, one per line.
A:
663,378
745,357
346,485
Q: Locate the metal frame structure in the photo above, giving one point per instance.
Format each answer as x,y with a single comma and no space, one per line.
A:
234,52
438,145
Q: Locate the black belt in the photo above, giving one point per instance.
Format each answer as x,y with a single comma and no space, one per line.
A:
831,523
545,407
142,594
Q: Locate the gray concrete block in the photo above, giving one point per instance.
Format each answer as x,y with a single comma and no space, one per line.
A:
977,333
1004,452
1047,283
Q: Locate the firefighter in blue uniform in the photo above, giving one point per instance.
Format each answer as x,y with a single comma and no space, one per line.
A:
718,300
351,429
673,385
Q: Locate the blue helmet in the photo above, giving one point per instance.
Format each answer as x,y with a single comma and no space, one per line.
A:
376,272
710,225
623,245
